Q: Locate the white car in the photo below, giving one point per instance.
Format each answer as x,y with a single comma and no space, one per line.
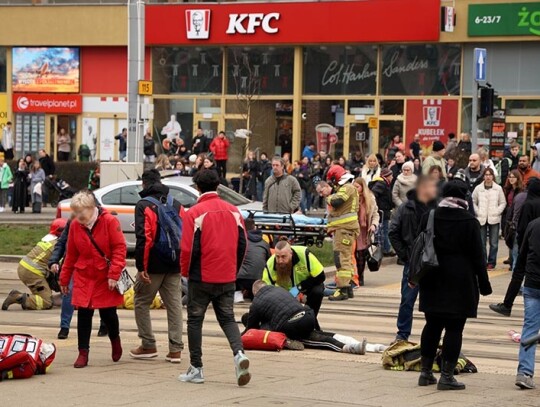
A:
120,200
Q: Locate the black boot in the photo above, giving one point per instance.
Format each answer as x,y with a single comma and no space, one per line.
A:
350,291
426,375
339,295
447,380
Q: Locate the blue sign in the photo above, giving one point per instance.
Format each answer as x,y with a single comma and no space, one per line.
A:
480,64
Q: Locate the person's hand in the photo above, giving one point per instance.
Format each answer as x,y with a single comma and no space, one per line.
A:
112,284
55,268
411,285
372,228
392,163
144,277
64,289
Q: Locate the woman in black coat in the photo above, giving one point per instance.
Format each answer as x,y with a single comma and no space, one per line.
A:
20,187
450,294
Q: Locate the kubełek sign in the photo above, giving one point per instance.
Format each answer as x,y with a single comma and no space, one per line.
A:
45,69
504,19
432,120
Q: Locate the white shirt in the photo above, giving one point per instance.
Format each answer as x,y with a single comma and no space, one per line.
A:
7,139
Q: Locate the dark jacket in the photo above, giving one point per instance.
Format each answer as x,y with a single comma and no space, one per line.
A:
149,147
258,253
383,195
199,145
147,230
528,263
405,224
508,164
272,307
474,178
60,247
530,209
48,165
453,289
122,142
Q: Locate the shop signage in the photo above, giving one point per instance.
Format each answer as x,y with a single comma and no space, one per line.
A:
3,111
504,19
497,139
43,103
431,119
368,21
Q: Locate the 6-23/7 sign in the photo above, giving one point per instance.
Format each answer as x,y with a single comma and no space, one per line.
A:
146,88
504,19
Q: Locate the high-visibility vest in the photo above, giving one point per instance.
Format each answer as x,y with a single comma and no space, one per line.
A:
37,260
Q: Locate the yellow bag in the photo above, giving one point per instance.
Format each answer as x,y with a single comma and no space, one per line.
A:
129,300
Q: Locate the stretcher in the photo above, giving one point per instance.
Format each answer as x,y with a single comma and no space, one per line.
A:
296,228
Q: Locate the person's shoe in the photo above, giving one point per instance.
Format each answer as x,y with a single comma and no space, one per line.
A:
350,291
400,262
193,375
142,353
241,363
14,297
447,380
525,382
389,254
174,357
500,308
340,294
358,348
63,333
116,345
291,344
426,374
507,261
103,331
82,359
238,297
490,267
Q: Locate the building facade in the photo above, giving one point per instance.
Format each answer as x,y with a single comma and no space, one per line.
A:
348,75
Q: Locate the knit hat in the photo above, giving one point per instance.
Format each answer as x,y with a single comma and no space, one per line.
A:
408,165
385,173
456,189
438,146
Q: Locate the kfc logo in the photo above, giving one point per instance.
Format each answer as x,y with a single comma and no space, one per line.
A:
247,23
432,114
198,24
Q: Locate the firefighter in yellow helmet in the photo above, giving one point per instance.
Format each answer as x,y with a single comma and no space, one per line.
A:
33,271
342,199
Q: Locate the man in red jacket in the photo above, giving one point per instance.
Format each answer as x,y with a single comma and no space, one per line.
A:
220,148
212,250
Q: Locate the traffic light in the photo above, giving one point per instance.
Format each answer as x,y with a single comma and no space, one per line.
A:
487,99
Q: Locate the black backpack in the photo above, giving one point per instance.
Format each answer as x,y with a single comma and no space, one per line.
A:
423,258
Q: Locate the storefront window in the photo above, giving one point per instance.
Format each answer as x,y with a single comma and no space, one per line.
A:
170,110
260,71
187,70
348,70
523,107
387,130
428,69
323,124
3,71
392,107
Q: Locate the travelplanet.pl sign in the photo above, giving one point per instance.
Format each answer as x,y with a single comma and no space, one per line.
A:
504,19
41,103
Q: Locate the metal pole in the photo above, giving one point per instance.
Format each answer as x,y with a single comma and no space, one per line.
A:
474,118
135,73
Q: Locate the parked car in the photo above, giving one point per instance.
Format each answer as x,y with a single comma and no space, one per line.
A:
120,200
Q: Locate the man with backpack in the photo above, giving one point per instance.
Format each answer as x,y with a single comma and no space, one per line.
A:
158,229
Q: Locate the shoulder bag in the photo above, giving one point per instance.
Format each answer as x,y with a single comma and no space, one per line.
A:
423,258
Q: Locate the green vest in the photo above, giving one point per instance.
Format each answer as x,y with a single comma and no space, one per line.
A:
305,265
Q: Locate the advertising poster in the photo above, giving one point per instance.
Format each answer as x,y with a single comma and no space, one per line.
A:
432,119
89,136
496,145
3,111
45,70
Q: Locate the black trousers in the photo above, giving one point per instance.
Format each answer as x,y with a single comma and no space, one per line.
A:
301,326
84,324
361,258
315,296
453,337
221,166
63,156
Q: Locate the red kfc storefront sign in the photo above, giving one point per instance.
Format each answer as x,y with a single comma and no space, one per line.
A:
365,21
431,119
47,103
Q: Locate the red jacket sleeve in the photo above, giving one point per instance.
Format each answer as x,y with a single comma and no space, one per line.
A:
145,233
117,244
186,245
213,146
72,254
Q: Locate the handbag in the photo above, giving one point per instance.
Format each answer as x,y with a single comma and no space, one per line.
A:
374,255
258,339
423,258
125,282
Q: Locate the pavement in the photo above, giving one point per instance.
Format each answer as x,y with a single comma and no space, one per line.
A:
46,216
308,378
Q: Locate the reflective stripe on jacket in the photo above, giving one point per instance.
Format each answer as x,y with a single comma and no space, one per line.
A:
36,261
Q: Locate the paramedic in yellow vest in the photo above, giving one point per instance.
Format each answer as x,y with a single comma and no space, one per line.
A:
343,224
297,270
33,270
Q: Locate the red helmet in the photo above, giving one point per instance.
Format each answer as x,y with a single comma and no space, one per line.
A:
335,173
58,226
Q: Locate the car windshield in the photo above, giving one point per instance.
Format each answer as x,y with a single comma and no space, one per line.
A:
228,195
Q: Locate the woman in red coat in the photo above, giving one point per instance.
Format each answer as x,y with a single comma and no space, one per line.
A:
220,148
94,279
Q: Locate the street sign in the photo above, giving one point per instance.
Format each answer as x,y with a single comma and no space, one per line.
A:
145,88
480,64
373,123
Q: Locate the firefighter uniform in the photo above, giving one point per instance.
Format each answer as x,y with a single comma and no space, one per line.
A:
343,223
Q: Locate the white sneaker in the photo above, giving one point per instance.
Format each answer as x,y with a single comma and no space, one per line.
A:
193,375
241,363
2,209
238,297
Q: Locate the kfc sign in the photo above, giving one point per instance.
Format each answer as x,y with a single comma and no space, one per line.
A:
247,23
431,119
293,23
42,103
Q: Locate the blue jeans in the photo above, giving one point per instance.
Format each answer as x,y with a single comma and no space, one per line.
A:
122,155
406,307
515,253
531,327
386,246
305,203
493,232
66,312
